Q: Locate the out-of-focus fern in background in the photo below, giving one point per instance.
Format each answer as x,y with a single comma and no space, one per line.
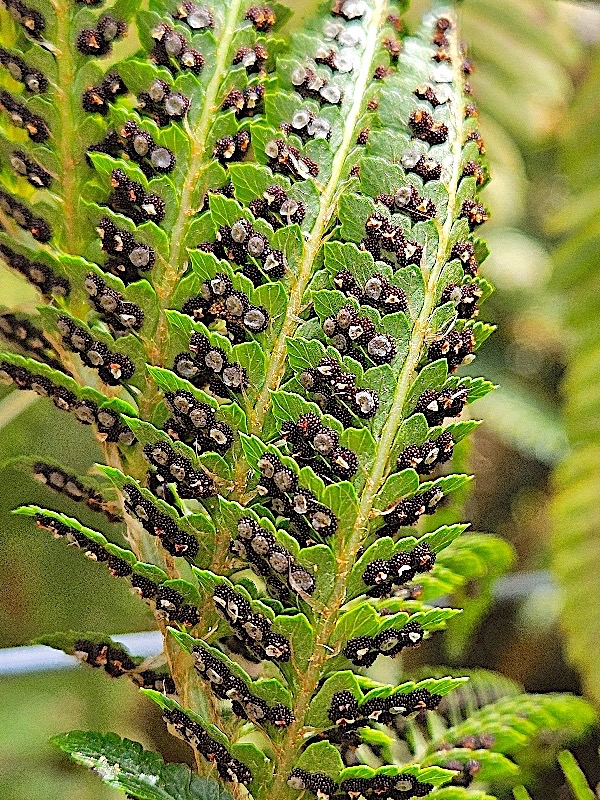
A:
536,81
576,544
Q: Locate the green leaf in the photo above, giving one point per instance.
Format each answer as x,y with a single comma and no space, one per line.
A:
433,376
345,255
397,486
321,757
343,681
298,630
142,774
304,354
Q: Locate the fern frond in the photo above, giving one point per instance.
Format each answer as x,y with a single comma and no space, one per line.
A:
574,538
265,290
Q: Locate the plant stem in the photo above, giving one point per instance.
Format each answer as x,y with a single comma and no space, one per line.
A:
71,190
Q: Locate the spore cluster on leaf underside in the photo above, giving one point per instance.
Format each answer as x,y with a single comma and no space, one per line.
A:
260,300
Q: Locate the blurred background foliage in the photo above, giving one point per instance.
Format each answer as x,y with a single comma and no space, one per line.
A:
536,84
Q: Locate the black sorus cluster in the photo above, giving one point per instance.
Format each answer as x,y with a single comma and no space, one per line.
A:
120,315
156,523
465,253
98,98
30,19
351,334
195,423
310,84
227,686
175,468
198,18
127,258
288,160
32,79
316,445
437,405
35,174
163,105
434,96
473,169
383,574
113,368
308,517
407,200
346,713
232,148
171,50
475,136
363,650
385,787
255,630
131,199
114,660
383,236
408,512
307,125
456,347
117,662
424,127
208,366
277,208
186,728
474,213
218,300
260,548
464,297
245,246
98,41
424,458
377,292
426,167
336,392
37,227
252,57
110,428
245,102
63,482
262,17
139,146
168,602
23,332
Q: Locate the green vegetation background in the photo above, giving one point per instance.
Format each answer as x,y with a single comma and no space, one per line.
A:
530,56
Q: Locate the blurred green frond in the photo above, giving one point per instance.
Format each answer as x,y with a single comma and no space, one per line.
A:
576,545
